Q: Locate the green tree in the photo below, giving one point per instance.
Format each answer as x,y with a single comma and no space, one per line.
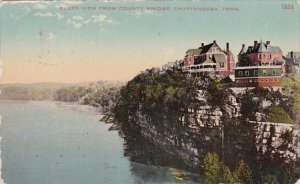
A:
211,168
216,171
248,106
216,94
225,175
243,173
278,114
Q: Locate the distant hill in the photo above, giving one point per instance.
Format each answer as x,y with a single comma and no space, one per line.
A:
45,91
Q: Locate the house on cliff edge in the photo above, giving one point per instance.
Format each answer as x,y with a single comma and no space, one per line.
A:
260,65
209,59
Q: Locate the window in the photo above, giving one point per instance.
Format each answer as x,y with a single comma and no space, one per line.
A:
259,56
255,72
250,81
264,72
276,80
274,72
271,80
246,73
240,73
255,80
221,65
270,56
267,80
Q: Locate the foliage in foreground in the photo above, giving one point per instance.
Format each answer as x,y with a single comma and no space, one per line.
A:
215,171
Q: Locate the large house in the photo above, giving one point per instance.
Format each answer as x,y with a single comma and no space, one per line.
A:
209,59
260,65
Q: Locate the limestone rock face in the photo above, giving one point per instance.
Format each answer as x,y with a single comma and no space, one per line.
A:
274,133
199,131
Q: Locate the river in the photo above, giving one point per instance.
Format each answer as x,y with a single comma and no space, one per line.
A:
55,143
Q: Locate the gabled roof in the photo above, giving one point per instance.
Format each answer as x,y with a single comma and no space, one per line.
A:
194,52
205,48
219,58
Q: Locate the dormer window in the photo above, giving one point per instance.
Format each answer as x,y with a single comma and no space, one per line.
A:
214,49
246,73
240,73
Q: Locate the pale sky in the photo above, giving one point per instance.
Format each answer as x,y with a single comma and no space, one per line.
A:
42,43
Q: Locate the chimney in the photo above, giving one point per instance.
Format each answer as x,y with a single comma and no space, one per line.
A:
292,54
243,46
227,47
255,44
228,58
268,43
202,44
214,41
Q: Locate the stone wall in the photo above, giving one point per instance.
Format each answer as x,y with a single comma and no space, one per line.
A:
263,134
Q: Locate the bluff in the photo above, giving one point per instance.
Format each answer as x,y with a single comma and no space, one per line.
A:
190,117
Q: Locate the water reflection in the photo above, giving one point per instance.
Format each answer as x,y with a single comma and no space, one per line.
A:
151,164
151,174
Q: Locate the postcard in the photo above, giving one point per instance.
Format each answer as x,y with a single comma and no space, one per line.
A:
149,91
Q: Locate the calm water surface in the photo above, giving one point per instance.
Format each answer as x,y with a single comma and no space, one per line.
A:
52,143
